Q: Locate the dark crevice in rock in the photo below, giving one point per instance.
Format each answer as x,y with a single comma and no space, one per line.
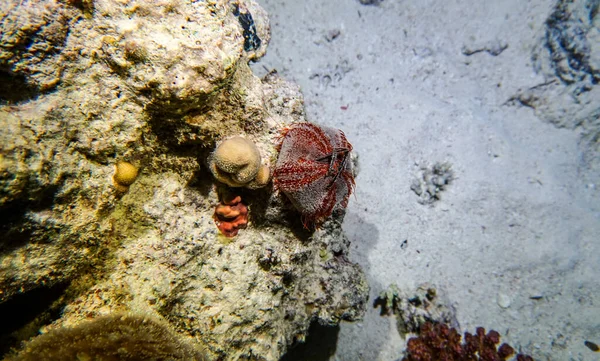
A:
320,344
15,89
12,231
25,313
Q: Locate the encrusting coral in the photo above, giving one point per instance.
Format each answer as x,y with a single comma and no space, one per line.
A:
440,342
231,216
237,163
314,170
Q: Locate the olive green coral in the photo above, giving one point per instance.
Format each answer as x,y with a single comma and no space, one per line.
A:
113,337
237,163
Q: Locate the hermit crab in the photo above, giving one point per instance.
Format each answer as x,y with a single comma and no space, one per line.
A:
314,170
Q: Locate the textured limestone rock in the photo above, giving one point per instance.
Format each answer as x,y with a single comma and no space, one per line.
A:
244,298
88,84
33,39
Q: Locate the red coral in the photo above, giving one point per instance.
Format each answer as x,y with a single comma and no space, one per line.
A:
441,343
231,216
314,170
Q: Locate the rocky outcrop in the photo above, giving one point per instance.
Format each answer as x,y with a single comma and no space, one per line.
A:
87,84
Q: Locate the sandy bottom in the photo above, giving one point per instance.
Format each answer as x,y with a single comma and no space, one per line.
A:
514,239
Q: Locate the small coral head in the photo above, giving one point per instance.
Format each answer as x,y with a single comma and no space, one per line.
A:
314,170
235,162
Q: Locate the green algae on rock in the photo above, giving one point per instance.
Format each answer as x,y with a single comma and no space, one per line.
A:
118,336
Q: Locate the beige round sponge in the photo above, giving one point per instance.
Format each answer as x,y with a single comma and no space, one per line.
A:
235,162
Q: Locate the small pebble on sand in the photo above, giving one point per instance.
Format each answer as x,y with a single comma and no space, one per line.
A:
503,300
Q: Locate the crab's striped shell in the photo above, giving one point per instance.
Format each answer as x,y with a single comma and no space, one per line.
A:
314,170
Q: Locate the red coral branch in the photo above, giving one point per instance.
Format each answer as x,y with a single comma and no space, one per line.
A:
441,343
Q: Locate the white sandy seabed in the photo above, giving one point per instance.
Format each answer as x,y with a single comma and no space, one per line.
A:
521,218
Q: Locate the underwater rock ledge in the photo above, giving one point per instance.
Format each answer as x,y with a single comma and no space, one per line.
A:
89,84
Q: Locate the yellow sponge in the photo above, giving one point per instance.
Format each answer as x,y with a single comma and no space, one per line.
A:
125,175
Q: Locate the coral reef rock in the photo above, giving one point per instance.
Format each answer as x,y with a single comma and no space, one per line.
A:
86,84
413,310
568,56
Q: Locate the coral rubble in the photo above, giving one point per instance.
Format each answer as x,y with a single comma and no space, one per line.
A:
432,180
414,309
